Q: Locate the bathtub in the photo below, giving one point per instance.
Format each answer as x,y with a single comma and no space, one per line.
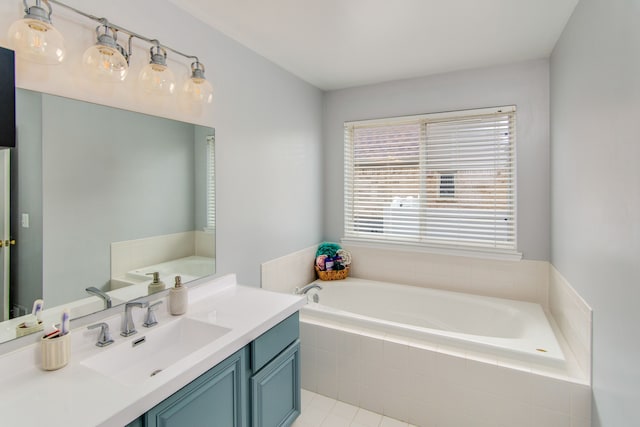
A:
499,328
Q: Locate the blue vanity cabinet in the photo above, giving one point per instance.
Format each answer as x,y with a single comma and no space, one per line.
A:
275,390
217,398
257,386
275,383
138,422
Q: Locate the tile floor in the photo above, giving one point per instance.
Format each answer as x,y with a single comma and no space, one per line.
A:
322,411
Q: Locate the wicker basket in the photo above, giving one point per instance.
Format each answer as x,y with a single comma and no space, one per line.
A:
333,274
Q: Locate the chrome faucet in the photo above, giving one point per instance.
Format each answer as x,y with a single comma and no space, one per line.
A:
128,328
303,290
150,318
97,292
104,338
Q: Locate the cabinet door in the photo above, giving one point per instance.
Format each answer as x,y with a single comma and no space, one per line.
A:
275,390
216,398
138,422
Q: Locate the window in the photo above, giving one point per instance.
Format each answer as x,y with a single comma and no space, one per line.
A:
442,180
211,183
447,187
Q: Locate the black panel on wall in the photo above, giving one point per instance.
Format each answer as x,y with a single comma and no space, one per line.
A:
7,98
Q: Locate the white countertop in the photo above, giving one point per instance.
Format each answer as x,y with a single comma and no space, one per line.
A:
79,396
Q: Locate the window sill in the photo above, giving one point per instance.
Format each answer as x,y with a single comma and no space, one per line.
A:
464,252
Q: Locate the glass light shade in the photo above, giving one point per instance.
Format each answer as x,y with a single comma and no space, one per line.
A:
157,79
198,90
37,41
105,63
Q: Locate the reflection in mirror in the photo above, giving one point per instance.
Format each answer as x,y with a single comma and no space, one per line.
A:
103,198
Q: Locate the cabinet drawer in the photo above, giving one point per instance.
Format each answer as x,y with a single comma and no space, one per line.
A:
271,343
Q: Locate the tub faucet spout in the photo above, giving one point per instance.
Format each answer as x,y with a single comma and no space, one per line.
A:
97,292
303,290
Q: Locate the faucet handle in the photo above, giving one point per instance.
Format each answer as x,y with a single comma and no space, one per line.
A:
150,319
104,337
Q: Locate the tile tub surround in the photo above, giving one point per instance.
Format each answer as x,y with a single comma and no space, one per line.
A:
128,255
205,243
573,317
520,280
523,280
436,386
533,281
286,273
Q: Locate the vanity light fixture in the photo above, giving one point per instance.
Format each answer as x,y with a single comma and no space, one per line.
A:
156,77
35,38
197,88
106,59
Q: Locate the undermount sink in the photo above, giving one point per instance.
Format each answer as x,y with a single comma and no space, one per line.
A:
138,359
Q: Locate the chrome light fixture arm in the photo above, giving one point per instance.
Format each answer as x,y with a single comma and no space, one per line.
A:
106,59
37,11
115,28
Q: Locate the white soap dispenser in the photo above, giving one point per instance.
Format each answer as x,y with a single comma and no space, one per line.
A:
178,298
156,285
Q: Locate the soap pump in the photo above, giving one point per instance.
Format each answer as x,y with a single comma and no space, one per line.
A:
156,285
178,298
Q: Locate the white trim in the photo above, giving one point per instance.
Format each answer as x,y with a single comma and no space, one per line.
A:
435,116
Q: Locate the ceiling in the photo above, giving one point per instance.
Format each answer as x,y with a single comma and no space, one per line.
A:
335,44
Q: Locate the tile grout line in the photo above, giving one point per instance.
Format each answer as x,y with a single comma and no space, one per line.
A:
329,411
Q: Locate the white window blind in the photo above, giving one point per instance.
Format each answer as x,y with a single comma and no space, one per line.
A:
211,183
439,180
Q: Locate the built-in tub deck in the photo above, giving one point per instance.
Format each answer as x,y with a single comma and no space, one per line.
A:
505,328
431,357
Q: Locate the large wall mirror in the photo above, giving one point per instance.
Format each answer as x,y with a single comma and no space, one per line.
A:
103,198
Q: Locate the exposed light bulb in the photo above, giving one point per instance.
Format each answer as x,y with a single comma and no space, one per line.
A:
199,90
104,61
37,41
156,78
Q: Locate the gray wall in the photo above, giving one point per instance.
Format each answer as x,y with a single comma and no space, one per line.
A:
595,198
267,121
268,141
108,175
524,84
268,165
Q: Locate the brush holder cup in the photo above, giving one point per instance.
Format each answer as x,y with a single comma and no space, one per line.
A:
22,329
55,352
